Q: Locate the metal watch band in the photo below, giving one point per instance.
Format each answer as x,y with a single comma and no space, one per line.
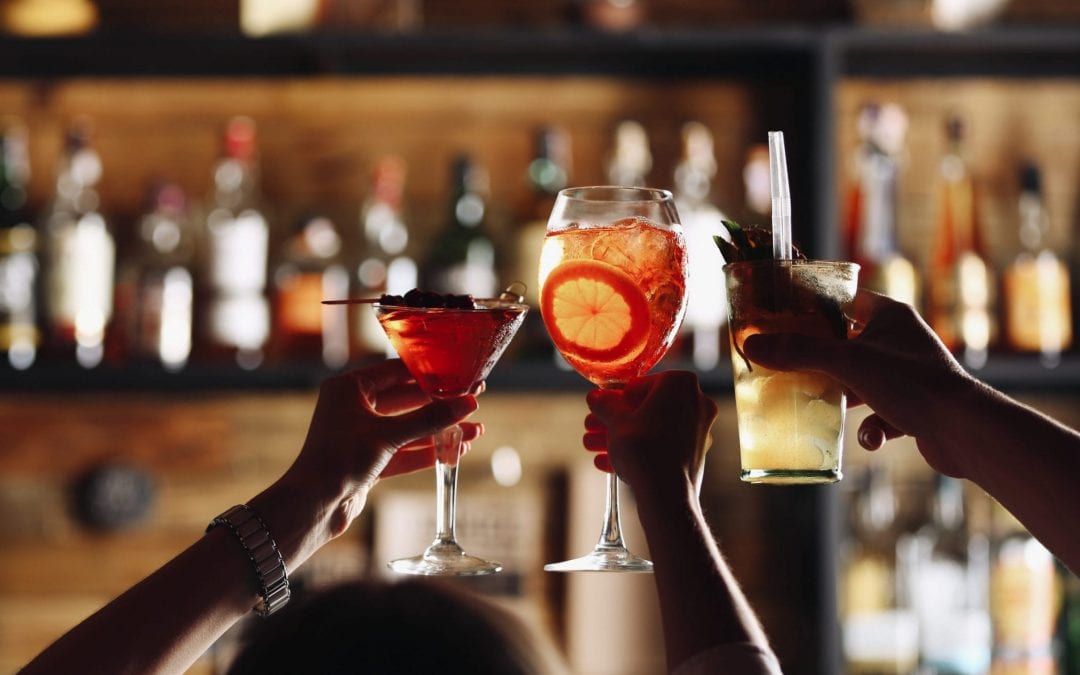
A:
262,550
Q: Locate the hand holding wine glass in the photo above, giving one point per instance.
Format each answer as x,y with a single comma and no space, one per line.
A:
612,295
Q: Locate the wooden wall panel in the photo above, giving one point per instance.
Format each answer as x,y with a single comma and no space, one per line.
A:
207,452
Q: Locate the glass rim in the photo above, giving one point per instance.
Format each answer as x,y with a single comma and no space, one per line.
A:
644,194
772,262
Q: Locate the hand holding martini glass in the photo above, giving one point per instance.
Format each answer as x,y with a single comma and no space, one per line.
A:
449,344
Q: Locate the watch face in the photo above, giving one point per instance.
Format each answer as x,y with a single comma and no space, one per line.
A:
113,496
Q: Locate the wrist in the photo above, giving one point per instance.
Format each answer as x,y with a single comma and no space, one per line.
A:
299,517
666,500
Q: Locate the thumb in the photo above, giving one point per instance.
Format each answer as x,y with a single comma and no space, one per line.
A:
426,420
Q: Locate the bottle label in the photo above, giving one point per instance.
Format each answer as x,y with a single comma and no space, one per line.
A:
81,281
299,304
238,252
240,321
165,317
18,272
1038,316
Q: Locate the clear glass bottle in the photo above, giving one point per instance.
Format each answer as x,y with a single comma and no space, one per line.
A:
1038,318
949,586
20,336
961,300
81,255
311,270
1025,594
547,173
237,312
462,255
872,205
385,265
880,632
631,159
701,221
160,276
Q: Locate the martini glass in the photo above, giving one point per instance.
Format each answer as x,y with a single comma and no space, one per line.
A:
449,351
612,294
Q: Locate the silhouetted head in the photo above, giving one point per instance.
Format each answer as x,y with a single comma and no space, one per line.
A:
411,626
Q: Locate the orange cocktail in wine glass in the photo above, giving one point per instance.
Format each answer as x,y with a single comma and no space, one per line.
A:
613,294
449,349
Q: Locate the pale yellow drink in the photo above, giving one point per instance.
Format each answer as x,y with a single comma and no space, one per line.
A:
791,424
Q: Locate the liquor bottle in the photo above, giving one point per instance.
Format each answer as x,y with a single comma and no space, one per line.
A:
81,256
305,330
631,159
1024,598
462,255
701,221
385,266
19,333
880,631
237,312
548,172
949,587
160,281
872,205
1038,318
961,280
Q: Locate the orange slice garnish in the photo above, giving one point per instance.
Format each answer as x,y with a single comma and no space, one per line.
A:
594,311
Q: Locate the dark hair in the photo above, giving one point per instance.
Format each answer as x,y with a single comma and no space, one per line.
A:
411,626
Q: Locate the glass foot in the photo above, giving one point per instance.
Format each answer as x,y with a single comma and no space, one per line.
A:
791,477
603,560
445,559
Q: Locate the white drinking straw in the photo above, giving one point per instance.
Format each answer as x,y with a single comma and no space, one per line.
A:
781,197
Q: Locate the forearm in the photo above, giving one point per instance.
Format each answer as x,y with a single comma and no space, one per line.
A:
701,604
165,622
1028,462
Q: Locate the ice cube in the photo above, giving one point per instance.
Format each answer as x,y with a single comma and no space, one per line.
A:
822,415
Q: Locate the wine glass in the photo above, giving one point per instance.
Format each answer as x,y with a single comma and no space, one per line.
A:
449,350
613,272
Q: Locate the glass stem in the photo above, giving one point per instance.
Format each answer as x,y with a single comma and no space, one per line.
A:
611,533
447,452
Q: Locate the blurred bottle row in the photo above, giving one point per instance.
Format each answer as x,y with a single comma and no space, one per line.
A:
1023,306
214,280
938,578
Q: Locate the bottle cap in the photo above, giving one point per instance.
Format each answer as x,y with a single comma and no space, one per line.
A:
240,138
1030,178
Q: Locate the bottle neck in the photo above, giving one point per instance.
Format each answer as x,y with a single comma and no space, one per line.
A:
1034,223
467,210
877,185
235,183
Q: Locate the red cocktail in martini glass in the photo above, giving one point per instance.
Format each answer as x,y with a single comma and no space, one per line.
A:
449,350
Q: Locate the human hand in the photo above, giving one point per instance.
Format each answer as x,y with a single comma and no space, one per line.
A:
896,365
373,423
653,433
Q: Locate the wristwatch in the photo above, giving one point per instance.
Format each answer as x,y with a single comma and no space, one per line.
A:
262,550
